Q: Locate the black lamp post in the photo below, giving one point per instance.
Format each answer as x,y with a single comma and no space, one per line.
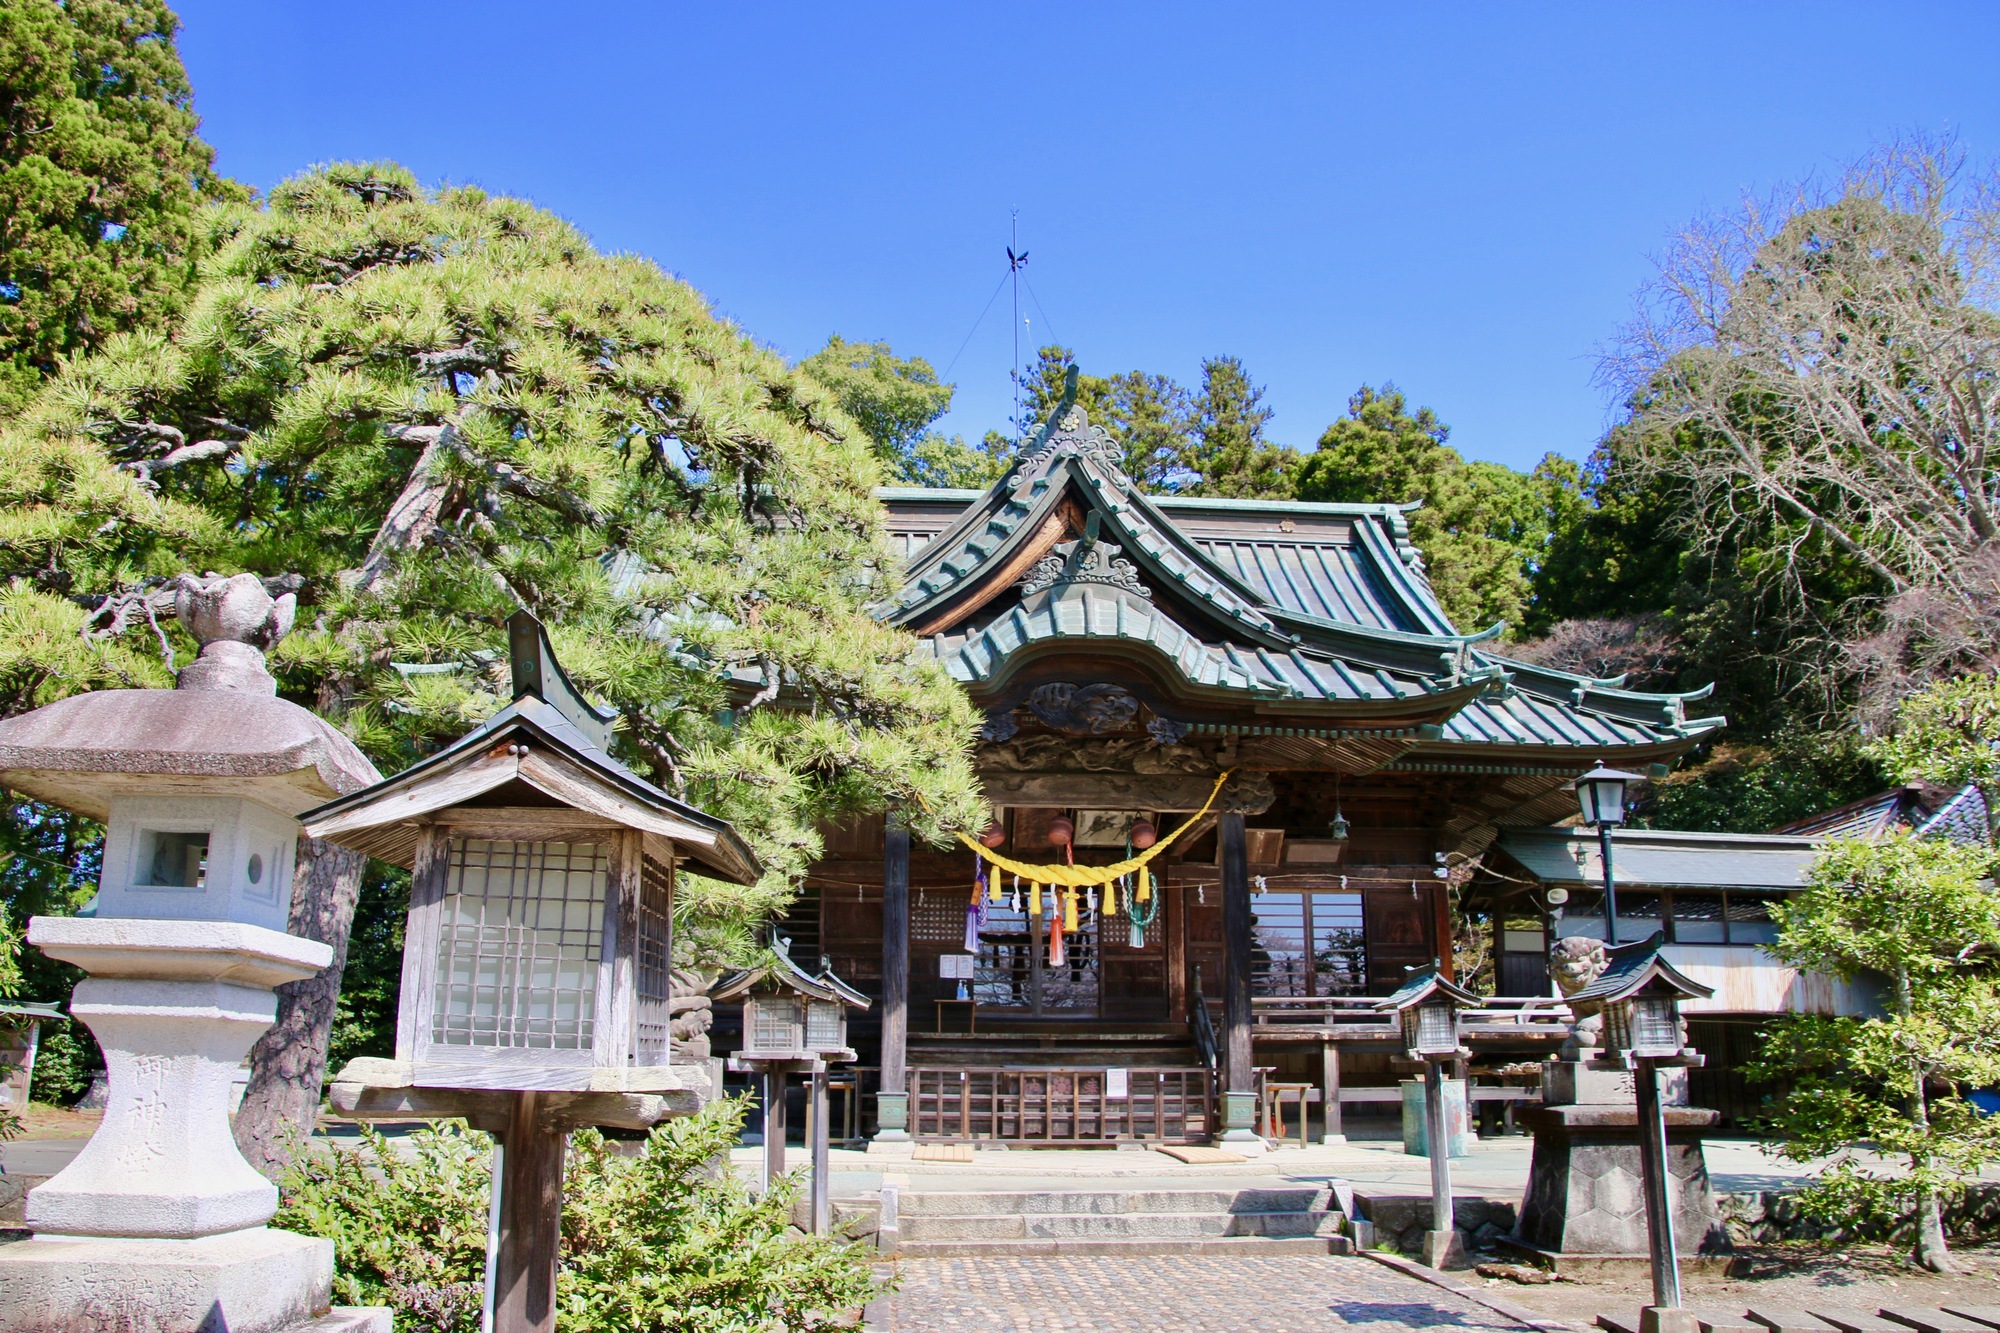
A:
1427,1007
1639,994
1601,795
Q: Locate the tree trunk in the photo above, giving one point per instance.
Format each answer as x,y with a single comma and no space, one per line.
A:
288,1064
1931,1251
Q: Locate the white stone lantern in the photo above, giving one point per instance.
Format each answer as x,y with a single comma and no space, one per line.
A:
199,787
538,949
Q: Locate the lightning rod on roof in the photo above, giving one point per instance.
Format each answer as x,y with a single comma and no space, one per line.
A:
1017,259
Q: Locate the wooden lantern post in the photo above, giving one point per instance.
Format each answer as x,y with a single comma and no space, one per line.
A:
1640,993
793,1022
1427,1007
538,950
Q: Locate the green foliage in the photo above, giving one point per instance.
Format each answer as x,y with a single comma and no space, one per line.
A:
48,867
1149,415
1918,916
1227,452
431,407
894,400
1484,529
364,1021
660,1242
1755,788
97,134
1945,734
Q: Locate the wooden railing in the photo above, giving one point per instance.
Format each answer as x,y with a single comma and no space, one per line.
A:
1059,1105
1355,1016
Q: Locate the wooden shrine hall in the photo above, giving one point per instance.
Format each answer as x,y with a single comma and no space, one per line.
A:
1128,650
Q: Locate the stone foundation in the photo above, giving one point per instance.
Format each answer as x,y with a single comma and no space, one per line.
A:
1586,1199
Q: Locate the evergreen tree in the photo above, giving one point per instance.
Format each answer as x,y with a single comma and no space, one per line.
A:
1227,454
894,401
1148,415
101,176
1483,528
423,409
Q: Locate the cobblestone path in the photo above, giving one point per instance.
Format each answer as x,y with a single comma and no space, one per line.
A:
1194,1294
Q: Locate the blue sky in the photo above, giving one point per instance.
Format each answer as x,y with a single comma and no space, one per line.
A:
1460,198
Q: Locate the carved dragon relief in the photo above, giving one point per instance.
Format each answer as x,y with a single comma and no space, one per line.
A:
1126,754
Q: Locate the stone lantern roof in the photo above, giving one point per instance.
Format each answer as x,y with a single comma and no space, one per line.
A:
223,731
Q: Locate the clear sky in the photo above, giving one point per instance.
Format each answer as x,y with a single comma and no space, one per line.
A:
1460,198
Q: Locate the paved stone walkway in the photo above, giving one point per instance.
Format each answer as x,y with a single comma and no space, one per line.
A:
1192,1294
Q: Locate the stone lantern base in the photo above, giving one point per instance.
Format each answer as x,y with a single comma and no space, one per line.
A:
1585,1206
255,1281
158,1225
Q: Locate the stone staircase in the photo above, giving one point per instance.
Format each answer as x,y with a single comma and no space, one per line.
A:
1297,1220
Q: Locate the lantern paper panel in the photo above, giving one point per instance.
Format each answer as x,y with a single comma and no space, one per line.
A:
777,1024
826,1025
519,945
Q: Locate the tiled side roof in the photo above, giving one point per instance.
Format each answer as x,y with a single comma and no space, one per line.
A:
1962,819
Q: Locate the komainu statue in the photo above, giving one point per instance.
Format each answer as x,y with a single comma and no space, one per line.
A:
1576,962
689,1014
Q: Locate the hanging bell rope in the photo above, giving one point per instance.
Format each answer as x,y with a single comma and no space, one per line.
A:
1077,877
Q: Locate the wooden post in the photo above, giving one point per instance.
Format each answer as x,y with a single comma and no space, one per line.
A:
892,1104
1659,1199
1171,898
816,1130
1236,941
774,1126
1329,1056
524,1286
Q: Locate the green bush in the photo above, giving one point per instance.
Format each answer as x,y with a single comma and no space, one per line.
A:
662,1241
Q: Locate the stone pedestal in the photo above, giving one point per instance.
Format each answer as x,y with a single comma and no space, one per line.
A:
157,1226
1239,1124
1585,1204
892,1125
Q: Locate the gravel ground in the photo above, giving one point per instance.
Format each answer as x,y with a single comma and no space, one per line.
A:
1800,1276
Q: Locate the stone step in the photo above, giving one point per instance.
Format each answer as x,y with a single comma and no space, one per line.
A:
1099,1246
1006,1203
1128,1226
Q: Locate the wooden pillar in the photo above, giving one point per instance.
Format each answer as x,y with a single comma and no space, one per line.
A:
774,1126
892,1104
524,1285
1172,899
816,1139
1236,941
1329,1058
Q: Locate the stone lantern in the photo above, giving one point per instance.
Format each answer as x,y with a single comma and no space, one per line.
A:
1427,1007
159,1221
793,1022
537,965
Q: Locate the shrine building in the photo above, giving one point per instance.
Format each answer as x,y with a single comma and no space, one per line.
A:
1128,650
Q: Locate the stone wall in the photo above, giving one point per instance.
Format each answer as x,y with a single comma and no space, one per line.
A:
1774,1215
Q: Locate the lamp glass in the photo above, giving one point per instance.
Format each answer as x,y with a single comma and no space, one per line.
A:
519,945
824,1026
1437,1028
778,1023
1655,1025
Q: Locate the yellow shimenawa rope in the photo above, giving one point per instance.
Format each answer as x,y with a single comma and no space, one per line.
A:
1077,877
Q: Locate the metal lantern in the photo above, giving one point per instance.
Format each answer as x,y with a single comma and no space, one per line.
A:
1600,795
1428,1006
1639,995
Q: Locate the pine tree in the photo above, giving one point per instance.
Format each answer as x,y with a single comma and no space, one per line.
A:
1228,455
424,409
101,177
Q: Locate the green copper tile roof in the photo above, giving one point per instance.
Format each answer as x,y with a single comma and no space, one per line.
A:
1312,606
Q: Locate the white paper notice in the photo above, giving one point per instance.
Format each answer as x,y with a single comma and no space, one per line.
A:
1116,1083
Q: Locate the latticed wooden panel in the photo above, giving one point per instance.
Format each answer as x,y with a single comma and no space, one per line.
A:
1059,1106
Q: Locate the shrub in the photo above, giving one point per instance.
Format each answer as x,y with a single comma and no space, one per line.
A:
662,1241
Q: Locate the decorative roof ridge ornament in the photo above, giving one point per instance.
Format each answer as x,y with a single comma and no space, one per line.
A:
1068,432
532,664
235,620
1084,561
